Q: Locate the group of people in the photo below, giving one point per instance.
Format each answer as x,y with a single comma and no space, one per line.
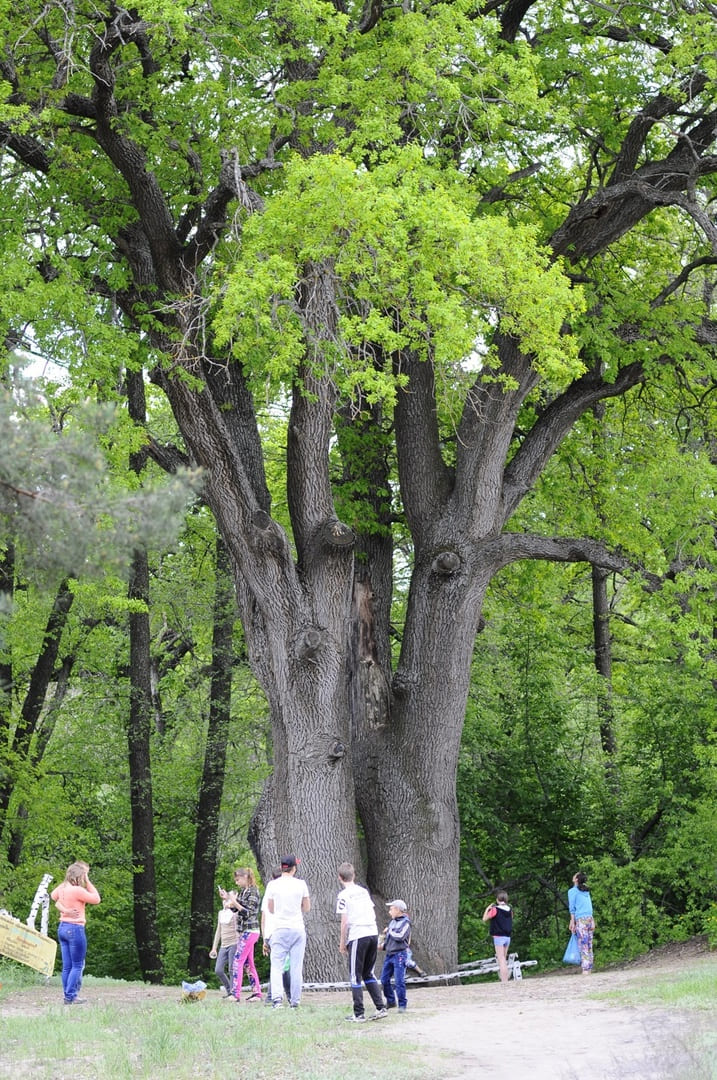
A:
359,940
499,915
286,901
279,919
236,935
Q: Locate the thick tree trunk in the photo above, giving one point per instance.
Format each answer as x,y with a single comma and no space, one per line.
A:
308,807
204,866
407,764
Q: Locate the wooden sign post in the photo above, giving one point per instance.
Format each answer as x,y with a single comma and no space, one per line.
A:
22,942
27,945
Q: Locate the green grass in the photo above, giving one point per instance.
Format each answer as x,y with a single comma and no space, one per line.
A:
695,991
139,1032
150,1033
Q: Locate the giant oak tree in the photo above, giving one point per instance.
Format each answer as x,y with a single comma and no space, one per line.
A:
439,235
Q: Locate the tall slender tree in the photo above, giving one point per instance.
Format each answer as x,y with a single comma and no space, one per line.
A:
211,789
139,733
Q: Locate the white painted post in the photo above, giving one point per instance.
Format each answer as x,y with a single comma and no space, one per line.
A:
41,897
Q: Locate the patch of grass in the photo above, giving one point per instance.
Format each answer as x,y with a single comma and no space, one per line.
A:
149,1035
693,1057
695,989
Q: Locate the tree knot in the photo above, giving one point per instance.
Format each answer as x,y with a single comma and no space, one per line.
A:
446,562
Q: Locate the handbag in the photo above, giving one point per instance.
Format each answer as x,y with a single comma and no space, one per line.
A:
572,953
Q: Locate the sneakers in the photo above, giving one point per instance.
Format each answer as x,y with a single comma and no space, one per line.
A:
355,1019
401,1008
379,1014
76,1001
254,997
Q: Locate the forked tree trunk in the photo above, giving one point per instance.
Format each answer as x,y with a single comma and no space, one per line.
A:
406,765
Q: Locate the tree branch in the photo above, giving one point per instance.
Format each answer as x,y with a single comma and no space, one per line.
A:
424,478
312,408
232,186
682,277
497,192
661,106
125,155
554,423
370,15
516,546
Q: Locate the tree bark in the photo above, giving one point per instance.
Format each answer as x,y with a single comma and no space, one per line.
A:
204,865
139,732
36,695
603,662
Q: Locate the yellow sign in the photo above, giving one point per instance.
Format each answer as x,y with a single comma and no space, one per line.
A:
27,946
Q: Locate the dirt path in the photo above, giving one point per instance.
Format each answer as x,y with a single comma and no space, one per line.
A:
552,1028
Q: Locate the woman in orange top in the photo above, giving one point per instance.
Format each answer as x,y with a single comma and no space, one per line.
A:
70,899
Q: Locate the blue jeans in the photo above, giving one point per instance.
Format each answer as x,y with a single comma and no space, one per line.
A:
73,945
395,965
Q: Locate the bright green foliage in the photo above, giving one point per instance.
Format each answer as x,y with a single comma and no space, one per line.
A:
413,267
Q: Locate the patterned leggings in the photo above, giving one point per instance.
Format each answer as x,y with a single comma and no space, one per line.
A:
245,956
584,929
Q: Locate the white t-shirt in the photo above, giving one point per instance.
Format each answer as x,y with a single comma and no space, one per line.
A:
267,920
356,904
287,892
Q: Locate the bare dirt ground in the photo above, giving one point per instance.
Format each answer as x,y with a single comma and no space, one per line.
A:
544,1027
551,1028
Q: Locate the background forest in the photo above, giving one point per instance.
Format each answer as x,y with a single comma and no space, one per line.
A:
538,793
364,506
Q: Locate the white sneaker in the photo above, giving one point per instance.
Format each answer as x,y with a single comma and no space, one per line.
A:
379,1014
355,1019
